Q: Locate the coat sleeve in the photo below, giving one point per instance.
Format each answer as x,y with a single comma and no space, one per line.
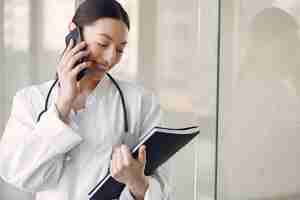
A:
160,182
32,154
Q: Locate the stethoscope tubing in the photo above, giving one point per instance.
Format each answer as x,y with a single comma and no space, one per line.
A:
126,128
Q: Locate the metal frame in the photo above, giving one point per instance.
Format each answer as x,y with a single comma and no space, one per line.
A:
2,64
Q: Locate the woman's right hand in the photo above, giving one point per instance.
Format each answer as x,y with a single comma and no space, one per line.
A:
67,73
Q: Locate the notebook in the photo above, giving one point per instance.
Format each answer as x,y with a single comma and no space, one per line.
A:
161,144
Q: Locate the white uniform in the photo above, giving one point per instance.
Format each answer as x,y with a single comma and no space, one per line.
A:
64,162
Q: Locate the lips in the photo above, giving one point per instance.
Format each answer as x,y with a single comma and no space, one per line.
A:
94,66
102,67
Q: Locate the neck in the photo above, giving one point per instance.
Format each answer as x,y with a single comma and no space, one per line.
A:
88,84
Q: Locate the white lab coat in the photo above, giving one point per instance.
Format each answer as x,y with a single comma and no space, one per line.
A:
64,162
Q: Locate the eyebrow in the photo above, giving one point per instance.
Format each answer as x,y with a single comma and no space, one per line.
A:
110,38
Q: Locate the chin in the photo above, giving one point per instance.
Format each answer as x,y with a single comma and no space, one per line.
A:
97,76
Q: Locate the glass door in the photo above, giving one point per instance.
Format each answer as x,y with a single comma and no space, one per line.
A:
260,100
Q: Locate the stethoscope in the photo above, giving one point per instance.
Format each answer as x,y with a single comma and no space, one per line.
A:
113,81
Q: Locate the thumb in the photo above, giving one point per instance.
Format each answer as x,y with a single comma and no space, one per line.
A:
142,154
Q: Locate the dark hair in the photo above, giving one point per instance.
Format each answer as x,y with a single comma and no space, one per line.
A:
91,10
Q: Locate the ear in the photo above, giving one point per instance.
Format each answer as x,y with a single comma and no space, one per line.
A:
72,26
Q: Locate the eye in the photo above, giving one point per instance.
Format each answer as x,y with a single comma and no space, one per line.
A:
120,51
103,45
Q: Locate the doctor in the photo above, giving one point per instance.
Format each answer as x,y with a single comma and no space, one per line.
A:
81,135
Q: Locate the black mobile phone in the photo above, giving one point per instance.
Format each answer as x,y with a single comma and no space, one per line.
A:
76,36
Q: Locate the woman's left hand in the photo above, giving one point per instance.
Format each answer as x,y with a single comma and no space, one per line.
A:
125,169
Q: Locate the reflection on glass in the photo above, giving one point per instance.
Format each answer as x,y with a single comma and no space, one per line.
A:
261,150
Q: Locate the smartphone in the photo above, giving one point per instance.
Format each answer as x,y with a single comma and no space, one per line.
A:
76,36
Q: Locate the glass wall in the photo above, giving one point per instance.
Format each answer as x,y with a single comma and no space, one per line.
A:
260,100
186,81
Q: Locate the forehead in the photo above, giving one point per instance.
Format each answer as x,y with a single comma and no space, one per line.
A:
114,28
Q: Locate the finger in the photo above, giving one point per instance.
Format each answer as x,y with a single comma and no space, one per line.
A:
75,59
127,158
70,45
65,52
119,160
142,154
68,48
75,71
112,168
75,50
113,165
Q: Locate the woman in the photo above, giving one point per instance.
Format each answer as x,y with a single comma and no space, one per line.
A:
81,136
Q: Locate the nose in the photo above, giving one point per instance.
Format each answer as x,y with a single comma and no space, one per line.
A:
110,56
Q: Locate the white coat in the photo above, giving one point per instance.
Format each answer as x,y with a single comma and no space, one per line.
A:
64,162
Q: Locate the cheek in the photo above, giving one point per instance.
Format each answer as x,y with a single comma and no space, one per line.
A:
118,59
95,52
